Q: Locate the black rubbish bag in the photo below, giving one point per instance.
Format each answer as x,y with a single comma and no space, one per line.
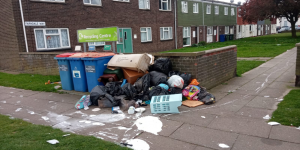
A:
157,78
129,91
171,73
175,90
155,91
142,85
104,102
202,94
97,92
114,88
125,103
208,99
186,78
163,65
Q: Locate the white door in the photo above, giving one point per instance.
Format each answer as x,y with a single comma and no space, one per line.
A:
238,32
209,34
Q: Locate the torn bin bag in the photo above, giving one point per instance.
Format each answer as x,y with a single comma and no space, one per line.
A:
163,65
143,84
208,99
157,91
157,78
114,88
129,91
97,92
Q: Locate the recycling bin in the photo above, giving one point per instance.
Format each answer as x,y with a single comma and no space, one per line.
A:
222,38
231,36
94,68
226,37
78,74
65,71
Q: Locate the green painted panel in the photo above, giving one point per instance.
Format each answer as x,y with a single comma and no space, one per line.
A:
190,18
220,19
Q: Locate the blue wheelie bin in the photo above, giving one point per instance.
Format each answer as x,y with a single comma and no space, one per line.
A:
222,38
94,68
78,73
65,71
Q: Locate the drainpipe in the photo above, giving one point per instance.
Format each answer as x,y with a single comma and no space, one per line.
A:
175,20
203,23
25,37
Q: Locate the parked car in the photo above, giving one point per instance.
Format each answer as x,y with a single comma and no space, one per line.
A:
278,28
284,28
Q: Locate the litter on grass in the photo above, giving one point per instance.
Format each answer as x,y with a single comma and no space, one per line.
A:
66,135
54,141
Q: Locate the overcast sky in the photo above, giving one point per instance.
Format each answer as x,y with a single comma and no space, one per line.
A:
235,1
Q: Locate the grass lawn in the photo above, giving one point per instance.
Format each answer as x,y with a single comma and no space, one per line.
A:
16,134
262,46
288,111
245,65
29,82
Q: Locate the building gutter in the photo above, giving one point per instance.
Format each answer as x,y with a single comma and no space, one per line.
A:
203,22
25,37
175,21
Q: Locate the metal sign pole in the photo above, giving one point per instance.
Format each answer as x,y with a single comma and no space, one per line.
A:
113,46
84,47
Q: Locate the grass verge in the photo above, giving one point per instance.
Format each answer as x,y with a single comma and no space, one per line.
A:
16,134
245,65
262,46
29,82
288,110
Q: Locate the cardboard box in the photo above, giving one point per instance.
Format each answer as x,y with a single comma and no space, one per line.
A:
131,76
135,62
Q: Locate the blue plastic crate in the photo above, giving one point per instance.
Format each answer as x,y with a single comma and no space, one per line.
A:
166,103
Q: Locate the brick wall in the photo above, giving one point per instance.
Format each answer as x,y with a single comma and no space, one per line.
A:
39,63
9,46
210,68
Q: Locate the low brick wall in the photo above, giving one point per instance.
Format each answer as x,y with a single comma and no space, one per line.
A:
39,63
297,82
210,68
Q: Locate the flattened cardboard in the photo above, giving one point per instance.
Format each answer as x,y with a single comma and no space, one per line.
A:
192,104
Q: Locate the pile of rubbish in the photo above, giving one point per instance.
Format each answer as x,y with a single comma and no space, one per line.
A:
135,80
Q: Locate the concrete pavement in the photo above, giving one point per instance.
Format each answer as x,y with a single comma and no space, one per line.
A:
236,120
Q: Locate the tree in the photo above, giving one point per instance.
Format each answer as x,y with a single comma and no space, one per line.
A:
254,10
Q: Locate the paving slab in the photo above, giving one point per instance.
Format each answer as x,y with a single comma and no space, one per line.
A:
204,136
254,85
164,143
263,102
281,85
252,112
245,142
218,95
242,125
224,88
259,70
273,93
285,133
63,98
237,81
26,93
192,117
202,148
169,127
247,92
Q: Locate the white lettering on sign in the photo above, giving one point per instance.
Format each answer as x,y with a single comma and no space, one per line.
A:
31,23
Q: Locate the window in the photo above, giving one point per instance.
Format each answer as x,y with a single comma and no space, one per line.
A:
122,0
165,5
232,12
240,12
146,34
225,10
209,30
144,4
57,1
285,23
92,2
184,6
216,10
56,38
226,29
250,28
166,33
239,28
195,8
186,36
208,9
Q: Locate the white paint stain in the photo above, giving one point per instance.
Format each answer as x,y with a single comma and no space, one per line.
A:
149,124
279,100
266,96
45,118
96,109
123,128
223,145
82,121
98,124
138,144
54,141
298,128
18,109
11,92
108,118
88,122
92,115
267,117
21,95
3,102
109,135
18,102
273,123
31,112
66,135
202,116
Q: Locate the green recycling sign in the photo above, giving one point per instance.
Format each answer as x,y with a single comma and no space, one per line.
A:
109,34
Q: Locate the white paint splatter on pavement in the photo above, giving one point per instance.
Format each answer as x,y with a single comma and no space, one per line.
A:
223,145
18,109
149,124
138,144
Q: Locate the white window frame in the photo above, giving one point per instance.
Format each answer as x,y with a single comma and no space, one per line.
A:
195,8
168,2
232,12
170,33
146,5
209,30
90,3
45,38
50,1
208,9
225,10
188,31
122,0
240,12
184,7
148,40
226,29
216,10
